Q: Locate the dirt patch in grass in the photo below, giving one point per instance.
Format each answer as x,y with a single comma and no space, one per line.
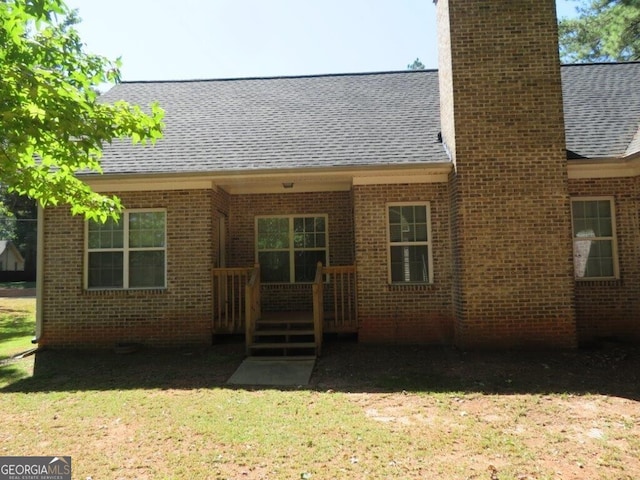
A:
370,412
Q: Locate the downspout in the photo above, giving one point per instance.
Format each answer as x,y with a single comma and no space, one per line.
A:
39,273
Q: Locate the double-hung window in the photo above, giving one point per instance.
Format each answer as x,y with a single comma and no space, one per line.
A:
409,246
594,238
288,248
130,253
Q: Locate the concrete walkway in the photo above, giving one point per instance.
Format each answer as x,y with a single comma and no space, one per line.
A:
280,372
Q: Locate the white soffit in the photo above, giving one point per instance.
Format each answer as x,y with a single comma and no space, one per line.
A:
272,182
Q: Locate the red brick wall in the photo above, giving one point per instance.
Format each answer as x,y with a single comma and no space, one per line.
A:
241,253
611,308
178,315
510,204
401,313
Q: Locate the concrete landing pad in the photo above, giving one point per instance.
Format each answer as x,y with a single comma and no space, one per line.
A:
275,372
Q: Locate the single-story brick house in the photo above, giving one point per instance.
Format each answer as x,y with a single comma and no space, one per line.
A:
490,204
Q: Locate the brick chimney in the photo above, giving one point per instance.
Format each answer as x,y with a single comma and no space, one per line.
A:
502,123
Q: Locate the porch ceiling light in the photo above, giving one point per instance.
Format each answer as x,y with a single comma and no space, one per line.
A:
287,184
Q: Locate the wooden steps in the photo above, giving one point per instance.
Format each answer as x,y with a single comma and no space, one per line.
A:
287,334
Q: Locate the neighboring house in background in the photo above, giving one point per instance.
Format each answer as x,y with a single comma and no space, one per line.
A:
10,257
490,204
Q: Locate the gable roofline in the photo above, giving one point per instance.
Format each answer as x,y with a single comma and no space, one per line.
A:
340,74
281,77
8,244
590,64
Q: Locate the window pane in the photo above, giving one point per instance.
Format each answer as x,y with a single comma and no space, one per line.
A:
105,235
146,229
604,227
146,269
395,233
407,214
592,218
304,231
409,264
421,232
306,263
593,258
273,233
274,266
105,269
408,224
394,215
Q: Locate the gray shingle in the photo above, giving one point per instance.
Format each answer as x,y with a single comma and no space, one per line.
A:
290,122
245,125
601,108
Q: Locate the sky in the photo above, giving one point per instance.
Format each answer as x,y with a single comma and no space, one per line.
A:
196,39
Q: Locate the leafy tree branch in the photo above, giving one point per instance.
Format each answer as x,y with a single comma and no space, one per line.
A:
605,30
52,125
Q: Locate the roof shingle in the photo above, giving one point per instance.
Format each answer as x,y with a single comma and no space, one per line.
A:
347,120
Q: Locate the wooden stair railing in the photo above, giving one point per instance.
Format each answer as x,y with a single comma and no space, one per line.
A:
318,308
341,282
229,309
252,305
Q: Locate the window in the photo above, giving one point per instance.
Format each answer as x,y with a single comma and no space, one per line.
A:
130,253
594,245
409,243
289,248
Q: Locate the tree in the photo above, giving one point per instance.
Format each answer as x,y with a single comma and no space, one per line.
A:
605,30
416,65
51,123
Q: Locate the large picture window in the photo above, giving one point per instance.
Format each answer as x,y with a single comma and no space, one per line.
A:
594,239
288,248
130,253
409,243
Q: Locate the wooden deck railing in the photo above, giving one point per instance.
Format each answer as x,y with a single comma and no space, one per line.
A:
318,307
337,287
341,285
252,305
229,309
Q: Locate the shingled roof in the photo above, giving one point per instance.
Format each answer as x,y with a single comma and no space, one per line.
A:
347,120
602,109
245,125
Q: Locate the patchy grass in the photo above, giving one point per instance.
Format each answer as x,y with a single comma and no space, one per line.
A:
370,412
17,325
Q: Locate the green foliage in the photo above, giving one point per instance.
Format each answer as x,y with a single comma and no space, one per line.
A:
416,65
7,223
51,123
605,30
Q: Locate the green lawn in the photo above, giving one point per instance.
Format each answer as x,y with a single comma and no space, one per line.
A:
370,412
17,325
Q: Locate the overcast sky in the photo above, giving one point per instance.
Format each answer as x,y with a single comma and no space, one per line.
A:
169,40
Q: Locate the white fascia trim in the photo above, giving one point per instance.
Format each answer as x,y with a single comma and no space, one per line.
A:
320,180
604,168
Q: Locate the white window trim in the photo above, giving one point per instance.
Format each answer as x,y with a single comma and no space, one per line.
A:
428,243
292,249
124,216
613,238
